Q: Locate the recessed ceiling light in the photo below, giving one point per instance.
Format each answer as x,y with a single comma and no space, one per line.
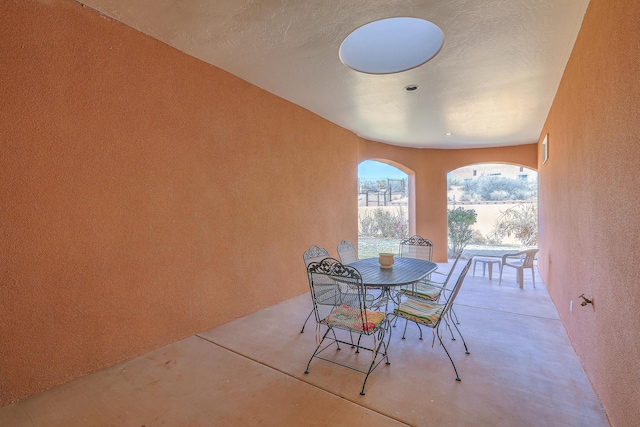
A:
391,45
448,134
410,88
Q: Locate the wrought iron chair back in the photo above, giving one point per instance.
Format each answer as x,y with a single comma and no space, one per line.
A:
313,254
456,288
347,252
331,274
416,247
431,289
450,274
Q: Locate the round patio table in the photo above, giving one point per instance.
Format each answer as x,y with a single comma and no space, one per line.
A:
405,271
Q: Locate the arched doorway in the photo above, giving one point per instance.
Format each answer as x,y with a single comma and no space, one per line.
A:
384,207
505,199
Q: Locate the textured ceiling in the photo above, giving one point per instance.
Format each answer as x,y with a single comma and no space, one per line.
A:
492,84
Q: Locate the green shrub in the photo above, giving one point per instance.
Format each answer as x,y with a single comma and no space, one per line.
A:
460,221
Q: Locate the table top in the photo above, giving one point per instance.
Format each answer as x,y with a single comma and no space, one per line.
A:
405,271
487,259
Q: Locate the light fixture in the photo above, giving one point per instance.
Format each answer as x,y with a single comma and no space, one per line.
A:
410,88
448,134
391,45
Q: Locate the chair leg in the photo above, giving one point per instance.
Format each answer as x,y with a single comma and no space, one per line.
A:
386,346
406,322
455,316
449,356
357,346
305,322
500,281
335,338
521,277
453,338
466,349
316,351
533,277
381,345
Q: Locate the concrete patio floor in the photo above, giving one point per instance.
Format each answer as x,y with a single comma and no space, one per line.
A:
522,371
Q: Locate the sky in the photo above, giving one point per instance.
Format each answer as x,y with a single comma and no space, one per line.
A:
370,169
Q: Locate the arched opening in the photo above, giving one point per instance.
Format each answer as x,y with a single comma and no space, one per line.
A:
385,206
504,198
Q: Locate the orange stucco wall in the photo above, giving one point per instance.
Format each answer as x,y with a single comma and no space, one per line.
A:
145,195
589,202
428,179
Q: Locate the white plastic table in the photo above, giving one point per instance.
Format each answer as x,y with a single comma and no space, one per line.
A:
486,261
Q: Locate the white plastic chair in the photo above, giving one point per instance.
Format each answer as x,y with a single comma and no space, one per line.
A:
520,261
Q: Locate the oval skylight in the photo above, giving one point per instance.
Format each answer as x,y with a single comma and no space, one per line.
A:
391,45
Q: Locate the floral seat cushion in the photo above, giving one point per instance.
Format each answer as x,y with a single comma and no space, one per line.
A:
353,318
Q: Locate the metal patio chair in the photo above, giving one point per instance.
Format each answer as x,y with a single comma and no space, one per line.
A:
432,281
416,247
354,318
313,254
433,291
347,252
430,289
431,314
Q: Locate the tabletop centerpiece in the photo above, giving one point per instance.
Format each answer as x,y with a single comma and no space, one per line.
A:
386,260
